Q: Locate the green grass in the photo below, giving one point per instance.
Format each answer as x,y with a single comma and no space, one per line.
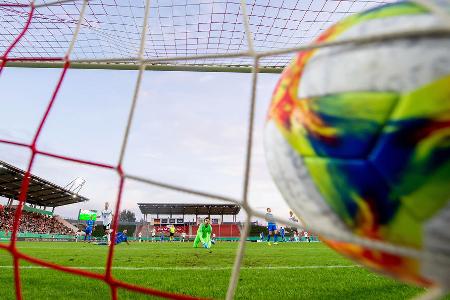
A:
285,271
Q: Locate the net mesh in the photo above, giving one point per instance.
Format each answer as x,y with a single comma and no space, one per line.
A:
112,29
259,34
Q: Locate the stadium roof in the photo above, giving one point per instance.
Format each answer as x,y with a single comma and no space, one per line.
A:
40,191
188,209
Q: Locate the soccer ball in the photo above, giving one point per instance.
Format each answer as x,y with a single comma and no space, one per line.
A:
358,141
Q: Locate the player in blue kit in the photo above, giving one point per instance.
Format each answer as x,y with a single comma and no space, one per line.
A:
89,228
120,237
272,227
282,234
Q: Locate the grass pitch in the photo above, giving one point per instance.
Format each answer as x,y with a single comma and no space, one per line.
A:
284,271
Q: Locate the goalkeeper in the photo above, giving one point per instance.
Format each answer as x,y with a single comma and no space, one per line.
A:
204,234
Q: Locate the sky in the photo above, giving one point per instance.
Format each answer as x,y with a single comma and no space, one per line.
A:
189,129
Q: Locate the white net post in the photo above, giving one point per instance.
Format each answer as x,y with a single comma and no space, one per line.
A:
246,184
137,86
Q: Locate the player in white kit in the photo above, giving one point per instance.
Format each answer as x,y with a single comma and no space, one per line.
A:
107,217
153,234
306,235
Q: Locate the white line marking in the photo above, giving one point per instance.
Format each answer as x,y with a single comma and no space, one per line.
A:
195,268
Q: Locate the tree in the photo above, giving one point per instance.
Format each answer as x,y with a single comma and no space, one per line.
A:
127,216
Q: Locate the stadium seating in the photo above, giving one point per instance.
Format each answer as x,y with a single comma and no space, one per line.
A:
65,223
223,230
32,222
179,229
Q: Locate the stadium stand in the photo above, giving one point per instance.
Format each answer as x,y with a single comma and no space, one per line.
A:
37,220
178,229
67,224
41,192
186,217
223,230
33,222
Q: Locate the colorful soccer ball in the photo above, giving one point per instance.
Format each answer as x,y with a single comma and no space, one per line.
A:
358,141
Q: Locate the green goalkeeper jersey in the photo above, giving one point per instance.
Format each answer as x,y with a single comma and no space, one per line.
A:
204,231
203,236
